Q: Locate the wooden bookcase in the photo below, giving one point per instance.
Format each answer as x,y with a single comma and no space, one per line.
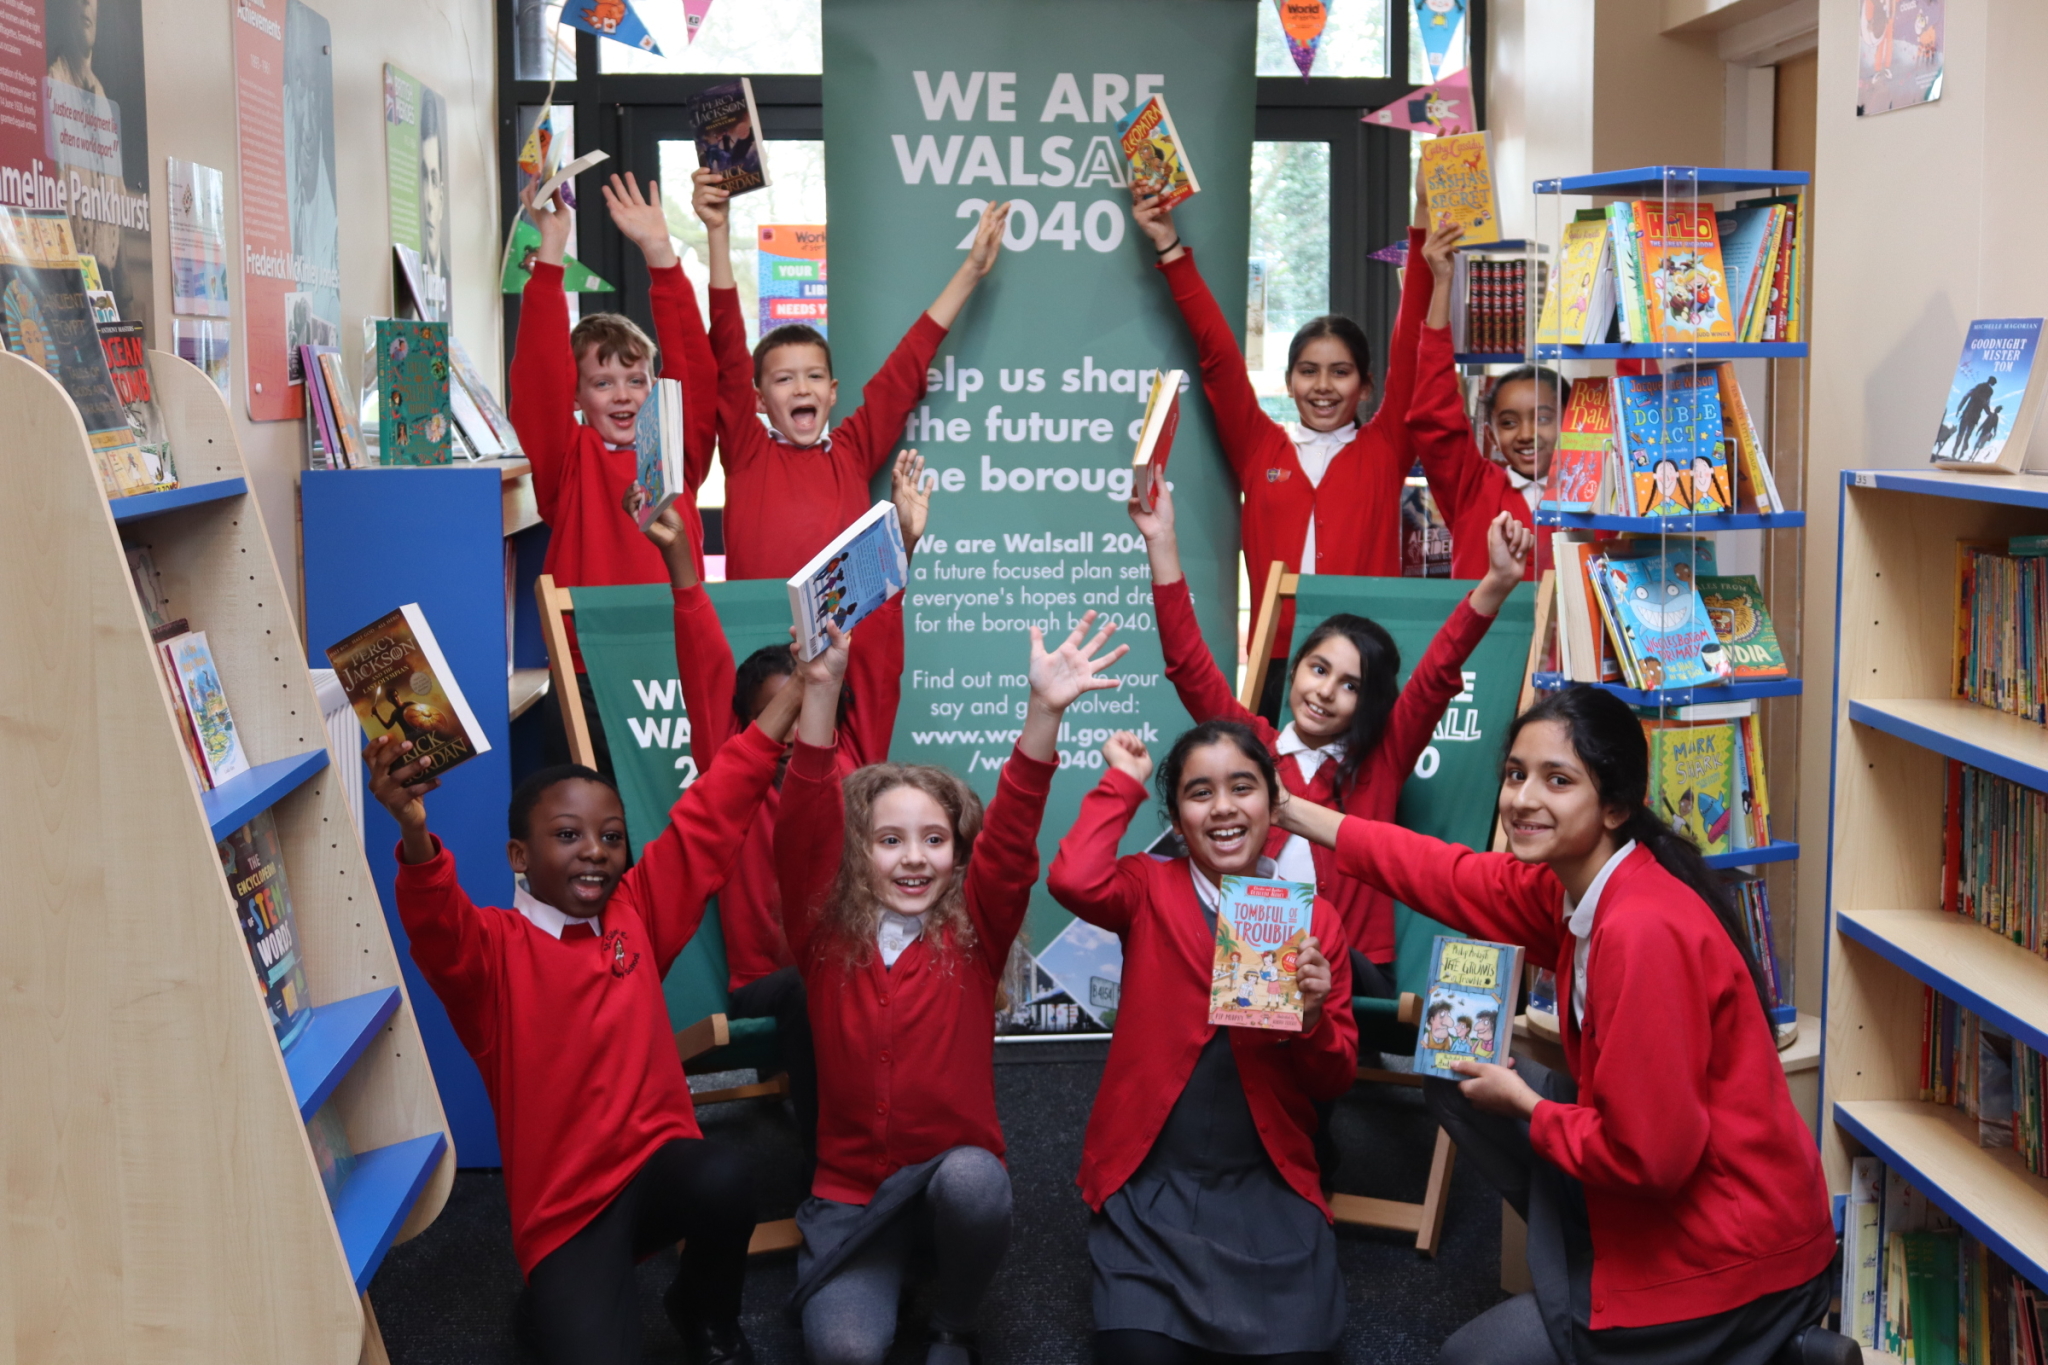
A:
164,1199
1896,724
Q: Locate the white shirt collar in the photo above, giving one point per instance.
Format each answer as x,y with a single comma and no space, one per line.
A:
1308,757
1211,895
1302,436
896,933
545,917
1578,917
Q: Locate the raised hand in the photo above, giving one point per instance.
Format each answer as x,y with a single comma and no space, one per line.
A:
1153,219
640,220
1440,248
1061,677
817,722
912,498
553,222
400,790
1126,753
1156,524
1508,546
708,199
1312,979
988,238
828,669
666,531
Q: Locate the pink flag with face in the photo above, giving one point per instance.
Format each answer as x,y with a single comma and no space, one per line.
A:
1441,109
693,15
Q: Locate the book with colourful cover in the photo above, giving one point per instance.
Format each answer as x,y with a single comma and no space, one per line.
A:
206,702
480,393
1662,623
729,136
1784,311
399,682
1468,1011
1457,173
1261,924
1626,242
863,567
1992,400
342,404
1755,488
1692,779
1685,285
1155,437
252,859
1585,436
1157,158
320,407
127,352
658,452
1735,605
414,420
1670,427
1749,236
1577,312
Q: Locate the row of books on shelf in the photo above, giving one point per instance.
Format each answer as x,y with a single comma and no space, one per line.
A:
1707,779
1674,444
1651,612
1980,1069
1994,852
2002,625
1489,302
423,401
1916,1286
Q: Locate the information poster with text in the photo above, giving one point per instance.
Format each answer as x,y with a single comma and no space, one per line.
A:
791,279
931,111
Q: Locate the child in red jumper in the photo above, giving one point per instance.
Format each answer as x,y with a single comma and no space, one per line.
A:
901,900
603,371
792,485
1355,734
559,1000
1676,1207
1211,1237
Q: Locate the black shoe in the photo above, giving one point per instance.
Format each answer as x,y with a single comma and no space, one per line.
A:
704,1344
1819,1346
966,1341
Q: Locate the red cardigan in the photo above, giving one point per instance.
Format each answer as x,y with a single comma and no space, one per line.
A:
750,902
784,503
1470,490
1375,791
573,1038
1357,507
1162,1023
1703,1185
906,1054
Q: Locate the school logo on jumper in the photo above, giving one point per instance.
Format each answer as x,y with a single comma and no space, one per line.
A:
1278,475
622,964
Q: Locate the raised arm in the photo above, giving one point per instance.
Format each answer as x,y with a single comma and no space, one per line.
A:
678,327
1190,667
867,437
542,386
1004,868
739,433
810,824
1087,877
703,655
1399,391
874,667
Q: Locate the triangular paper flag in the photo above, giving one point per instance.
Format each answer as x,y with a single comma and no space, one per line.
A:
537,157
1394,254
577,277
1443,108
693,15
1438,21
613,19
1302,21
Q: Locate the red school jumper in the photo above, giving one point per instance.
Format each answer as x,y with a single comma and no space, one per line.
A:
1357,507
906,1054
1368,913
1163,1022
750,901
1703,1185
784,503
573,1037
1470,490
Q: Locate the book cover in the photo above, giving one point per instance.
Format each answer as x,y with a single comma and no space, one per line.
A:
1663,623
160,638
1155,436
483,395
1585,436
1735,605
414,419
1755,489
206,701
658,451
728,136
1677,453
331,1152
1930,1261
1468,1012
1626,242
341,399
320,407
1748,237
1457,172
863,567
1785,317
127,353
1990,408
1692,776
1861,1250
1261,924
1157,158
1684,284
252,859
1577,312
399,682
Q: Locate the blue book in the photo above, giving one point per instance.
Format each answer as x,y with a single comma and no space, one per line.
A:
1468,1012
1747,237
863,567
1663,621
658,451
1677,451
1991,405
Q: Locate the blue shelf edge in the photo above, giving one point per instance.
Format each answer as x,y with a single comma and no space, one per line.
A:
1695,179
374,1203
2009,490
1675,350
1948,746
1685,525
239,800
330,1044
1776,851
1953,987
171,499
1682,696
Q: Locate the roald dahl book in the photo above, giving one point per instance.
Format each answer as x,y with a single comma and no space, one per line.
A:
1261,924
1468,1013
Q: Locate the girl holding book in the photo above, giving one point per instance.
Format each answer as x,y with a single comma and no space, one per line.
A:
1676,1207
1211,1238
1355,734
901,899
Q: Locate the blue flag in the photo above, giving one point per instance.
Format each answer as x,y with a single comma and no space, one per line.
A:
616,20
1439,22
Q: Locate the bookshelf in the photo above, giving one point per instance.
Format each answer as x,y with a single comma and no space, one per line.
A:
167,1199
1896,724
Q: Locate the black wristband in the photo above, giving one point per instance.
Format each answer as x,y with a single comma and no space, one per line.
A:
1161,251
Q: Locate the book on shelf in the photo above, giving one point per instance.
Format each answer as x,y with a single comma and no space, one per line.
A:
331,1152
2001,650
400,684
1155,436
1994,850
863,567
1756,488
1862,1250
319,410
1261,924
161,635
1677,453
1581,309
217,739
1585,440
1735,607
1752,899
1585,654
1155,154
1660,626
1631,313
1468,1009
252,859
127,353
342,404
1749,248
1685,286
1968,1064
729,136
411,407
1692,779
1784,319
485,399
1992,401
658,452
1457,174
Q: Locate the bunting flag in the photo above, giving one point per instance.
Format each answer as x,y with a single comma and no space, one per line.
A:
1442,109
1439,22
613,19
693,15
1394,254
537,157
1302,21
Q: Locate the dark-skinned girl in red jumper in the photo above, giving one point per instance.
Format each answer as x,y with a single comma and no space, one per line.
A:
1211,1238
1322,494
901,900
1677,1212
1355,732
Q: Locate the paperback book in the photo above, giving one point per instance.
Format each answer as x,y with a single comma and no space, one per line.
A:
1677,453
466,373
728,136
218,739
1992,400
1692,779
863,567
1578,311
1660,623
1735,606
399,682
1155,437
1585,439
1468,1012
1784,309
1261,925
1750,236
253,862
410,359
1626,239
658,452
320,410
565,179
127,353
341,401
1756,490
1457,173
1683,279
1157,157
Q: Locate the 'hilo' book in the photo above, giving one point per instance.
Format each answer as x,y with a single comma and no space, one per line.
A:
863,567
1735,605
399,683
414,421
1661,622
1157,157
253,862
1261,924
729,136
1585,436
1578,311
1468,1012
1683,280
206,707
127,353
1155,437
658,451
1670,426
1991,401
1457,172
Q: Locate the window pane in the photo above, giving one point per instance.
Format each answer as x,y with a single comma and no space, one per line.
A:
536,31
750,37
1354,41
1290,258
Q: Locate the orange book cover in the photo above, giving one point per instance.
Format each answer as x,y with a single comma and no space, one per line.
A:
1685,286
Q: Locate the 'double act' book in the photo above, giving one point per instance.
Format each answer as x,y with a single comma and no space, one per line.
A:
729,136
1468,1011
863,567
399,682
1261,924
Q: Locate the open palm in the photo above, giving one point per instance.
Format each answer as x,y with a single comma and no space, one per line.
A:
1062,676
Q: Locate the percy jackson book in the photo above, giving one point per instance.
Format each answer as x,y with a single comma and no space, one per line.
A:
400,683
1468,1013
729,136
1260,927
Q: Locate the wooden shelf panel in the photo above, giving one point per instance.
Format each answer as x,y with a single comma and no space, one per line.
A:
1682,696
371,1207
338,1035
2009,746
526,686
1677,526
1985,1189
191,495
2012,490
239,800
1996,978
1776,851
